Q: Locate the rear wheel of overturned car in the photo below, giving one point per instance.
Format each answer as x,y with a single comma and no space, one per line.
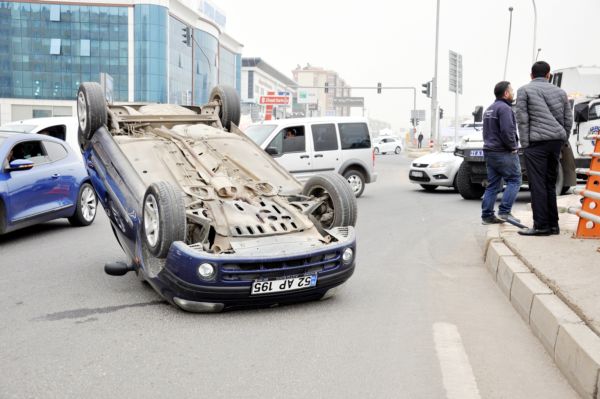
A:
338,207
356,180
429,187
91,111
466,188
86,206
229,102
163,220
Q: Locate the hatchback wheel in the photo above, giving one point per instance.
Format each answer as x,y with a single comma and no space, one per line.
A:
398,150
87,204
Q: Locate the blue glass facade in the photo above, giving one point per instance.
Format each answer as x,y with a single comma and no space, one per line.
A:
180,64
46,50
206,53
229,67
151,53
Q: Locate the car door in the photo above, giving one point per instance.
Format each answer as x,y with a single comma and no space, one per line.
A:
326,148
31,192
289,148
67,189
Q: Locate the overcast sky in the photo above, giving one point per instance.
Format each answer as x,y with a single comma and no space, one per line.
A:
393,42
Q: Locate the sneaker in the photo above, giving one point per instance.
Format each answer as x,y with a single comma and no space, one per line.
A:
491,220
506,216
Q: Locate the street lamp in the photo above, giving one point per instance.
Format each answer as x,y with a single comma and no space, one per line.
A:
510,10
534,56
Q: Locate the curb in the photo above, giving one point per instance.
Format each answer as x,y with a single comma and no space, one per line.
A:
574,347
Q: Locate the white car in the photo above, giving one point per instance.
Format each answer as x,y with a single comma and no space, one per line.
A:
436,169
384,145
60,127
307,146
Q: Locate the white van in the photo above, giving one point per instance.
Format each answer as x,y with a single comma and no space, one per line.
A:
306,146
60,127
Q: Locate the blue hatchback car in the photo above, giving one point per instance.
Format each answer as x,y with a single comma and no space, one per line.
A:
41,179
207,217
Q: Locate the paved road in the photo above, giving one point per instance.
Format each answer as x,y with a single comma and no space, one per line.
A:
421,318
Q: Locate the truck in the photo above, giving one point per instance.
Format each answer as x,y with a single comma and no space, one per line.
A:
582,85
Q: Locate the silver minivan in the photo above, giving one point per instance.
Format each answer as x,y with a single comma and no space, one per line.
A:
306,146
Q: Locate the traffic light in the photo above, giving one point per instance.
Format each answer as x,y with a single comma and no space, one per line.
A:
478,114
441,113
379,88
427,90
326,87
187,36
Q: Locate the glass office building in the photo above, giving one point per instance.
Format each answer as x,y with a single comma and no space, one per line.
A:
46,50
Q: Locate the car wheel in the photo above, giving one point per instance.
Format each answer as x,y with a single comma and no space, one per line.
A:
86,207
398,150
429,187
338,208
91,111
356,180
561,189
467,189
376,150
229,102
163,220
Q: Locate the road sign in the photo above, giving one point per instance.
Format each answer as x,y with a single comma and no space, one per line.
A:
455,72
349,101
419,114
275,100
306,96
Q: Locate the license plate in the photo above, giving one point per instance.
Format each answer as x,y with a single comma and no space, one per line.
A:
476,153
288,284
416,173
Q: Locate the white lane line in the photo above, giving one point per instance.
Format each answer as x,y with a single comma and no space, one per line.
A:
457,374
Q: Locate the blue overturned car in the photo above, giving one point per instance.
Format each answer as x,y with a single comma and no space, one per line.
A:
42,179
204,215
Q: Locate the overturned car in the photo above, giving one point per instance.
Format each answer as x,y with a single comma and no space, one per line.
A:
206,217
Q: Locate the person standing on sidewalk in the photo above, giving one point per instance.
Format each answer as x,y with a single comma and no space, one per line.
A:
545,121
420,140
500,144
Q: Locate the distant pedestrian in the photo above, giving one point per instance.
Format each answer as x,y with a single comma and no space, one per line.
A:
500,145
545,121
420,140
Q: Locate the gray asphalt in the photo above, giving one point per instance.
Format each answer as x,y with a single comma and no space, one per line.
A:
67,330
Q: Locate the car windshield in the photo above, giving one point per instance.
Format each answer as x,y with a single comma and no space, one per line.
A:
259,133
17,128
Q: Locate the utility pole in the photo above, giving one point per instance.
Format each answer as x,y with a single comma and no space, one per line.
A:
510,10
534,55
434,91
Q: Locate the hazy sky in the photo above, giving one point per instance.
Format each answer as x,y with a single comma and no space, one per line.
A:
393,42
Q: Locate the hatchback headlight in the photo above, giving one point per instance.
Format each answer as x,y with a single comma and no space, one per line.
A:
437,165
206,271
347,256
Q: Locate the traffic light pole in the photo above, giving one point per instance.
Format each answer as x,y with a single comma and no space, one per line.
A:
434,91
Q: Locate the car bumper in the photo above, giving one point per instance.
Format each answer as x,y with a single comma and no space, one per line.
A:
373,178
436,177
179,283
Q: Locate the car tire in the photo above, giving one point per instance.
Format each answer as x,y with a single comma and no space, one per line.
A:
230,104
398,150
91,111
467,190
356,180
339,208
86,206
561,189
376,150
429,187
163,220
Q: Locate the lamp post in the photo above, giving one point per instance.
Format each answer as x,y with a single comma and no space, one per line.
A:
434,85
510,10
534,55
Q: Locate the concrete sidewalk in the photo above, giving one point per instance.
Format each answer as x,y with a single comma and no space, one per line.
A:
554,284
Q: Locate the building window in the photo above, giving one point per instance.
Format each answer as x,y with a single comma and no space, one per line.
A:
55,12
55,46
85,48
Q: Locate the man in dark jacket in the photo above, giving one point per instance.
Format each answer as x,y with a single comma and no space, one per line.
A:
545,121
500,143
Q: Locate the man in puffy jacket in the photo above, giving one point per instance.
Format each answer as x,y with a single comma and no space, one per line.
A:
545,120
500,144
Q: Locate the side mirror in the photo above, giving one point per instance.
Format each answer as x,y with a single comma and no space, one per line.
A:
20,164
272,151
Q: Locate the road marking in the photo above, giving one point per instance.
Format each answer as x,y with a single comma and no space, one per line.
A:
457,374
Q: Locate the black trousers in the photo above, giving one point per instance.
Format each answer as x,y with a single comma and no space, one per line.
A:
541,161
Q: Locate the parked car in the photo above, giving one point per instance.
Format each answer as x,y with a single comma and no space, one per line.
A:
306,146
436,169
207,217
383,145
60,127
42,179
